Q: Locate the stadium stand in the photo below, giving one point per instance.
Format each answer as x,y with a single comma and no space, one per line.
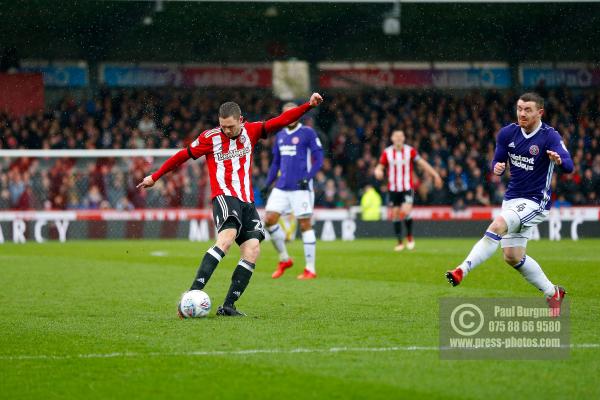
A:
453,131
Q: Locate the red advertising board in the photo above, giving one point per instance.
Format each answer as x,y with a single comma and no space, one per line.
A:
21,94
414,75
187,75
255,76
374,77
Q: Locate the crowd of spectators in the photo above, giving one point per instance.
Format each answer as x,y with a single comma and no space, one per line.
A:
453,132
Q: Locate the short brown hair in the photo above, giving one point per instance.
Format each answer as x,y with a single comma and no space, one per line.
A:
230,109
532,96
289,104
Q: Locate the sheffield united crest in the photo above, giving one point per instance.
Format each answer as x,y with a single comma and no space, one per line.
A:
534,150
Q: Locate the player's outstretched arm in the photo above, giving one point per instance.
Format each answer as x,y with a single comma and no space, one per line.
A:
315,99
291,115
437,179
146,183
173,162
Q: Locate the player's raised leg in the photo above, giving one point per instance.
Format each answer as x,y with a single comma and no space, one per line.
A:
310,248
514,250
482,250
528,268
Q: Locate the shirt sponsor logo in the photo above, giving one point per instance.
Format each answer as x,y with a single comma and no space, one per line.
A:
233,154
522,162
534,150
287,150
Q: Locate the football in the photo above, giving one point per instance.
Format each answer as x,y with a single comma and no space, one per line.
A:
194,304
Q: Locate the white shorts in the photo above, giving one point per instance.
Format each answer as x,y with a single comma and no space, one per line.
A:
521,215
298,202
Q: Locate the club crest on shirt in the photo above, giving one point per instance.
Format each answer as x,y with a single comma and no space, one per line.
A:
534,150
295,140
242,139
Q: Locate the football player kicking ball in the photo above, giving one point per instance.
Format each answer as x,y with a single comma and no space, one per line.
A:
533,149
298,154
399,159
229,150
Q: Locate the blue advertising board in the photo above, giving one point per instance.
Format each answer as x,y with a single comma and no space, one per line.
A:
60,74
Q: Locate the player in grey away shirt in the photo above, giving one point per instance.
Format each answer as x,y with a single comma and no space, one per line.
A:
532,150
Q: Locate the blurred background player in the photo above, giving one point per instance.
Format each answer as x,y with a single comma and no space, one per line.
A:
399,159
370,204
298,155
228,150
532,148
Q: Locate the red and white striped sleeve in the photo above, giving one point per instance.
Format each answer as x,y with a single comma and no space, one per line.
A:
383,160
202,145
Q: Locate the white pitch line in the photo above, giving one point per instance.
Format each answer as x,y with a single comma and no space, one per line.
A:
330,350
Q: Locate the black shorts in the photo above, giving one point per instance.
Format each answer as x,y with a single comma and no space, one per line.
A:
230,212
396,199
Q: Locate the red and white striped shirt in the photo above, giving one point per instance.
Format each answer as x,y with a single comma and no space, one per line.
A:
229,161
399,164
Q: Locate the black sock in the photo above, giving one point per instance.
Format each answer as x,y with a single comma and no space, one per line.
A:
408,223
207,267
398,230
239,281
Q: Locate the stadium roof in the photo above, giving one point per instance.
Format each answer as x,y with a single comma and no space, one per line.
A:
382,1
201,31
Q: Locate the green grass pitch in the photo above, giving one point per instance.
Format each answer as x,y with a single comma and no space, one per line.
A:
89,320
